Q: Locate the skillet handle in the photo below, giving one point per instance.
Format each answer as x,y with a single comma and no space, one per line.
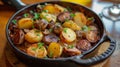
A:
18,4
99,58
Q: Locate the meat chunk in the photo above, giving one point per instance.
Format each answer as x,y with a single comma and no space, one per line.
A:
62,17
57,29
80,34
50,38
51,24
83,45
18,36
71,51
92,36
41,24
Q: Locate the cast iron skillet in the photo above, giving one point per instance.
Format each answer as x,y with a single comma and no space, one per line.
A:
69,61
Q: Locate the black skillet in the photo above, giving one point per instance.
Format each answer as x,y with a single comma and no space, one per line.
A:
61,62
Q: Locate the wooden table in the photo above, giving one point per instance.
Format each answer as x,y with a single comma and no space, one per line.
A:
7,11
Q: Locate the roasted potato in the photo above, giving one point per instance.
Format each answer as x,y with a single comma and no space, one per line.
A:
51,9
47,16
80,19
33,36
54,50
60,8
25,23
68,35
36,51
54,9
71,24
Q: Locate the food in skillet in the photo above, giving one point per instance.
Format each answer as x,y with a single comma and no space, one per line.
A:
53,31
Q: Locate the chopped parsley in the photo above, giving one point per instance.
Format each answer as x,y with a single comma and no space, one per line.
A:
31,12
91,18
65,30
36,16
72,15
85,28
38,34
66,19
33,26
50,29
51,54
46,11
40,44
70,46
34,49
14,21
26,15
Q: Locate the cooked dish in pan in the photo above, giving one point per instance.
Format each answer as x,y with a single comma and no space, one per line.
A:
54,31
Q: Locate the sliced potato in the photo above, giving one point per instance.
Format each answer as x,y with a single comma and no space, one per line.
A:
33,50
25,23
33,36
51,9
54,50
48,16
80,19
71,24
60,8
68,35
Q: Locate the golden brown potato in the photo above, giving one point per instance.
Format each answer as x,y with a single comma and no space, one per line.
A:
54,9
60,8
33,36
51,9
25,23
80,19
71,24
68,35
36,51
48,17
54,50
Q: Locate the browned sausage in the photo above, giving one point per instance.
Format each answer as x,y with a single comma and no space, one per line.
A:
46,32
92,36
80,34
57,29
50,38
71,52
83,45
62,17
51,24
41,24
18,36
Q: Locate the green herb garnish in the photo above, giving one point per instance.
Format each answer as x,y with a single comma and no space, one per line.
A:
34,49
38,34
40,44
14,21
65,30
51,54
45,11
66,19
36,16
85,28
70,46
26,15
31,12
91,18
50,29
72,15
33,26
